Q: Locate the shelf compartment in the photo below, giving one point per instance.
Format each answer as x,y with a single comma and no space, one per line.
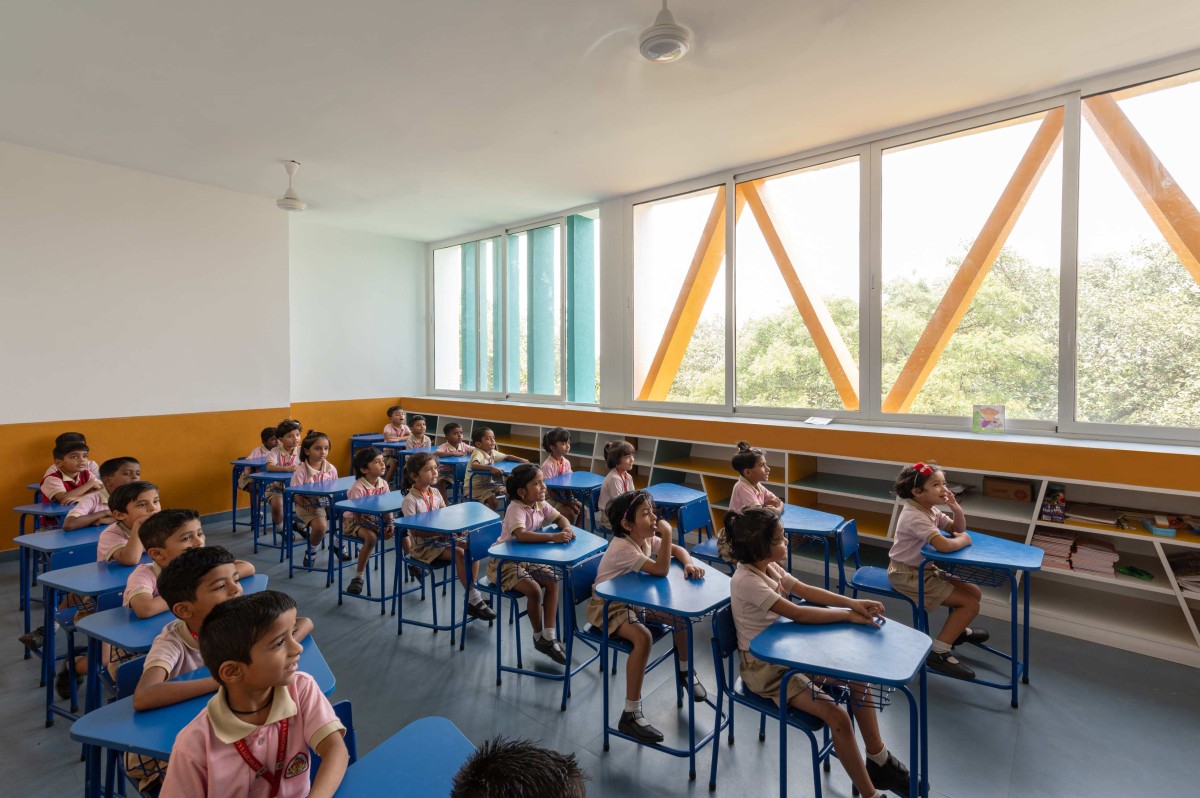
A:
700,465
1151,565
870,523
1188,540
842,485
976,504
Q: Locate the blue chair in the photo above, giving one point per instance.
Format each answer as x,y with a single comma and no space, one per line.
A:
66,620
729,685
501,496
868,578
345,713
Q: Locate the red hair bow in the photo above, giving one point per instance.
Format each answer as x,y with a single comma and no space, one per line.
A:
922,469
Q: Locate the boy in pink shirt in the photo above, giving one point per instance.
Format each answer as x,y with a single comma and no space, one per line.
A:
453,446
394,430
260,452
417,438
130,505
93,509
253,737
70,479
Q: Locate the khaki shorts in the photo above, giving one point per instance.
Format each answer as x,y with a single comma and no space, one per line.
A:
354,525
938,586
308,512
516,571
620,614
428,549
763,678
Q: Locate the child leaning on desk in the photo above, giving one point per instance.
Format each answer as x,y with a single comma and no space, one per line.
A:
93,509
556,443
131,504
395,430
266,714
759,595
267,442
636,547
284,458
922,486
70,478
485,477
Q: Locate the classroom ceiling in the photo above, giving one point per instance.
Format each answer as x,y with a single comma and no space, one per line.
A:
433,119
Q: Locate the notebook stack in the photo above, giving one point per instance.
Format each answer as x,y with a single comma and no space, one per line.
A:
1097,557
1186,567
1057,544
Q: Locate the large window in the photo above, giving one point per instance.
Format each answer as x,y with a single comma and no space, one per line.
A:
466,317
535,310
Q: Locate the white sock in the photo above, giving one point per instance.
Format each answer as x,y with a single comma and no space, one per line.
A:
879,758
683,666
633,706
548,633
475,597
940,648
358,572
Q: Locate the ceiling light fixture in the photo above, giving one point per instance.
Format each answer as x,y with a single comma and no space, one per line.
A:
290,201
664,41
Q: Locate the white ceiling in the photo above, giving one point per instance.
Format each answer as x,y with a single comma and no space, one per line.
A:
436,118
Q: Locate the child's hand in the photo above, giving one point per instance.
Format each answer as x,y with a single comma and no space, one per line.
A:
693,571
389,531
854,616
564,536
71,500
871,609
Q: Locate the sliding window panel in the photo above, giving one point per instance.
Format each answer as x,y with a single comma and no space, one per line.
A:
583,295
535,287
448,315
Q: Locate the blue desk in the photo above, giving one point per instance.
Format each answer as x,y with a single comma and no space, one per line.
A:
331,489
261,481
241,465
379,505
37,510
889,655
90,580
997,556
562,557
36,487
672,498
457,519
363,440
39,550
395,449
119,728
121,628
459,461
807,522
689,599
423,757
583,485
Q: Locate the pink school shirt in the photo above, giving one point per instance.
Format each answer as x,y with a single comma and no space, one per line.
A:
557,468
282,457
259,453
530,517
393,433
747,495
752,593
112,537
175,650
424,442
613,486
205,762
623,556
306,474
417,502
915,527
144,579
56,482
94,502
461,450
362,488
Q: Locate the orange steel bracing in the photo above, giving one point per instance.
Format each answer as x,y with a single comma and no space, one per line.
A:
834,353
976,265
1169,207
697,285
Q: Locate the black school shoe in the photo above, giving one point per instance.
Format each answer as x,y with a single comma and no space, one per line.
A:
483,612
697,689
948,664
554,650
628,724
33,640
891,775
62,682
356,586
976,637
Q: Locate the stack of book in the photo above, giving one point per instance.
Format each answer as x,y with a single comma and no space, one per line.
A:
1057,545
1186,567
1096,557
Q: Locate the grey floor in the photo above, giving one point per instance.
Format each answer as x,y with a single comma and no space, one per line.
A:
1095,721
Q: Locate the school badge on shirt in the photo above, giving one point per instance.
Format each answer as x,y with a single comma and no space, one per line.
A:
298,765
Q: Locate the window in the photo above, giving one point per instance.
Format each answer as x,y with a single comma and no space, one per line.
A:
797,279
679,298
971,226
535,311
583,299
466,321
1138,300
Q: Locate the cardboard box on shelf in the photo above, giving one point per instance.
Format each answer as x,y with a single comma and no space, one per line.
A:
1004,488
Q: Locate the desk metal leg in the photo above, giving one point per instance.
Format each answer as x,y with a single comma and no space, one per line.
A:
604,676
233,507
1016,651
49,601
923,735
1025,661
94,656
567,618
691,699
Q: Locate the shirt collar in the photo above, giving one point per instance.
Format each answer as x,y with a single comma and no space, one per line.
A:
920,508
185,635
229,728
770,580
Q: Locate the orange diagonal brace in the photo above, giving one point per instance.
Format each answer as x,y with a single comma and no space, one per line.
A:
697,285
976,265
1169,207
824,332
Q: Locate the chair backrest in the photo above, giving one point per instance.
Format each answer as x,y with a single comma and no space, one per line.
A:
345,713
583,576
65,558
695,516
128,675
847,540
482,538
724,632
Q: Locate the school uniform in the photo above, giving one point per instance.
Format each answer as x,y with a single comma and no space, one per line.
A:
423,442
284,458
623,556
916,526
614,484
310,508
92,466
484,486
259,453
446,472
425,548
531,518
559,500
747,494
143,580
353,522
56,482
113,538
94,502
752,593
393,433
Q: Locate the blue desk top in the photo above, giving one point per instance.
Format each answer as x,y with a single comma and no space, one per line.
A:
988,551
270,476
420,759
507,466
249,461
803,520
48,509
891,654
449,520
33,486
389,502
89,579
122,628
367,437
420,449
453,459
325,488
675,594
390,445
584,546
57,540
577,480
668,494
152,733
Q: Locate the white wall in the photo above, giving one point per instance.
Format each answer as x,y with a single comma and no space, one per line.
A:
145,291
358,314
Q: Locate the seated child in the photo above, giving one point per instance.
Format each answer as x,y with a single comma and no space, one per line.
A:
394,430
369,467
486,479
454,446
618,456
165,535
310,510
417,438
130,505
759,595
527,513
284,458
636,547
72,437
260,452
557,442
70,479
922,486
264,708
422,470
504,768
92,509
749,490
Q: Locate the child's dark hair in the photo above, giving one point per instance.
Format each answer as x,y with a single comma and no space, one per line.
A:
413,466
746,457
913,477
61,450
181,577
309,441
286,426
69,437
266,434
624,507
393,409
615,450
453,425
110,467
415,419
478,433
160,526
520,477
363,458
230,631
748,535
553,436
127,494
503,768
